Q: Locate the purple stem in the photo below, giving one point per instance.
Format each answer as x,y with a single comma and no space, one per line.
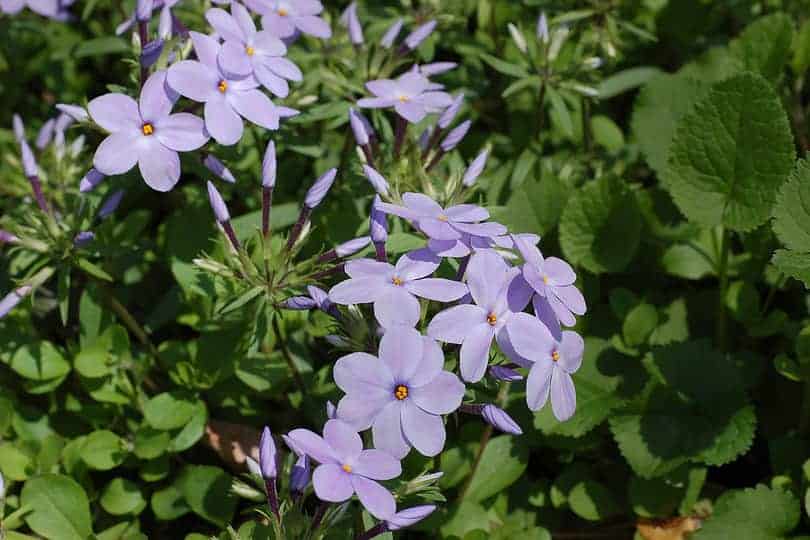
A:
376,530
329,272
179,27
306,211
462,268
143,33
471,409
434,140
267,202
328,256
36,185
318,517
272,497
379,247
399,135
436,159
231,235
368,153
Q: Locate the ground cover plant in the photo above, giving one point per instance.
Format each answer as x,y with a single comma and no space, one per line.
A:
466,269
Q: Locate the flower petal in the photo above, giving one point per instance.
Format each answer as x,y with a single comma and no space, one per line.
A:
572,298
279,26
225,25
397,306
345,441
396,210
368,268
424,431
313,445
467,213
538,384
442,395
314,26
454,324
401,350
271,81
417,264
284,68
376,499
475,352
332,483
559,272
206,48
360,372
439,289
376,103
182,132
233,60
544,312
222,122
411,111
571,348
489,229
244,20
383,88
194,80
160,166
430,365
157,98
563,395
438,229
485,277
361,410
561,311
377,465
114,155
359,290
255,106
387,431
265,43
530,337
115,112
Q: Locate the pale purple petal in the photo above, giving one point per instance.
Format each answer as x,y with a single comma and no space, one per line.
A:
475,352
160,166
442,395
255,106
233,59
454,324
538,384
456,136
449,115
571,348
225,25
206,48
361,410
387,431
449,248
307,442
368,268
376,499
424,431
528,251
475,169
267,44
222,122
360,290
244,20
411,111
437,68
332,483
435,101
544,312
115,112
115,154
466,213
409,517
314,26
284,68
430,365
194,80
383,88
485,277
561,311
563,395
422,204
271,81
438,229
530,337
377,465
439,289
401,211
397,306
417,264
361,372
572,298
156,100
279,26
376,103
182,132
489,228
559,272
401,350
345,441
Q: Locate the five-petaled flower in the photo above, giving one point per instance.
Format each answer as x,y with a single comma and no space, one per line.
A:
410,95
285,18
401,395
145,133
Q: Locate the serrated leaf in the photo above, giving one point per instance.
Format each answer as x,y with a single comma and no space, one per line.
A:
731,154
792,223
764,46
793,264
752,514
600,227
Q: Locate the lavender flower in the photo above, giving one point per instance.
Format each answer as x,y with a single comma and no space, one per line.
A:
393,289
83,238
450,112
351,247
143,10
79,114
111,204
419,35
269,165
318,298
299,475
409,95
226,99
218,168
267,454
391,34
284,18
217,204
401,395
542,27
443,224
145,133
409,517
378,224
18,127
46,8
350,20
436,68
498,292
8,238
361,135
456,136
345,468
557,299
316,194
377,181
503,373
45,134
552,363
90,180
13,298
500,420
475,169
247,51
151,53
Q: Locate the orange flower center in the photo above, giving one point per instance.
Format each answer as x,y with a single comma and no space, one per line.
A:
404,99
545,280
555,356
396,281
223,86
148,129
347,468
442,217
401,392
283,12
250,50
492,319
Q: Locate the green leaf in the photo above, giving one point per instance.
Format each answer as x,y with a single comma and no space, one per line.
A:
756,513
504,460
792,209
764,46
801,49
640,322
621,82
59,507
122,497
103,450
151,443
170,410
593,501
40,361
600,227
207,490
505,67
94,270
606,133
731,154
101,46
15,464
793,264
168,504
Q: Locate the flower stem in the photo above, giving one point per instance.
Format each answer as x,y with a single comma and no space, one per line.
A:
435,161
722,273
285,352
376,530
267,202
318,517
272,497
482,444
399,135
229,232
36,185
306,211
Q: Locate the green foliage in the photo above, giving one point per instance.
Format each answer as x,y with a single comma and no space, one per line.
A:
760,513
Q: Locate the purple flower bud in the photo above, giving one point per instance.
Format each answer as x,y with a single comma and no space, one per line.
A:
267,454
151,53
63,121
450,112
500,420
45,134
350,20
321,298
217,204
352,246
358,127
13,298
218,168
299,475
84,238
111,204
456,136
165,23
29,163
143,10
409,516
504,373
74,111
419,35
19,128
437,68
391,34
7,238
377,181
424,138
90,180
269,165
542,27
320,188
300,303
475,169
378,223
331,410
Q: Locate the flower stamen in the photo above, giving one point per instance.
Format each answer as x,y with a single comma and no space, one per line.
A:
442,217
404,99
492,319
401,392
545,280
283,12
396,281
147,129
250,50
346,467
223,86
555,356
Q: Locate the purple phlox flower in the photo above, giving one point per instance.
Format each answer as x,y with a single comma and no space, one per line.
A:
318,298
391,34
247,51
143,10
267,454
542,27
500,420
409,517
450,112
436,68
557,299
475,169
499,292
351,247
45,135
269,166
552,363
443,224
300,474
401,395
331,410
345,468
10,301
419,35
377,181
218,168
359,127
300,303
46,8
425,137
217,204
83,238
409,95
79,114
316,194
151,53
456,136
111,204
145,133
350,20
8,238
165,23
18,127
378,223
90,180
503,373
227,100
284,18
29,162
394,289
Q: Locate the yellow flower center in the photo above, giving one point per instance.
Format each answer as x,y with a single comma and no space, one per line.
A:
250,50
492,319
442,217
148,129
396,281
401,392
283,12
555,356
404,99
223,85
545,280
347,468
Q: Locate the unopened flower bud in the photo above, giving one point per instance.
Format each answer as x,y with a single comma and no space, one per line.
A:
351,247
391,34
84,238
29,163
501,421
7,238
13,298
377,181
456,136
217,204
45,135
300,474
542,27
79,114
165,24
143,10
267,454
320,188
350,20
409,517
450,112
111,204
436,68
361,135
151,53
19,128
90,180
213,164
475,169
419,35
269,165
504,373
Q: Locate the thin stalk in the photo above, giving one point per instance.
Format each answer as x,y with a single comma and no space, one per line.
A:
267,202
435,161
285,352
306,211
482,444
272,497
143,33
229,232
399,135
376,530
36,185
318,517
722,273
379,249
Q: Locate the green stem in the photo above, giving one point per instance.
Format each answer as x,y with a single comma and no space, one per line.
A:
722,273
285,352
